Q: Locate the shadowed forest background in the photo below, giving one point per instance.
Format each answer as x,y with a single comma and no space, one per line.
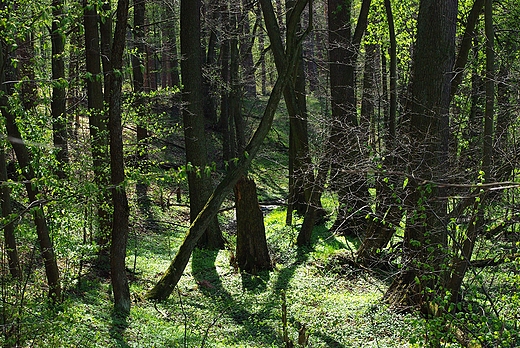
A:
257,173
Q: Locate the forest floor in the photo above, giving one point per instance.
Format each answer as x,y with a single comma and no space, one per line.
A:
323,298
215,305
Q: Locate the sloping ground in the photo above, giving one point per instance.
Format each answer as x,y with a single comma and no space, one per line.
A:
215,306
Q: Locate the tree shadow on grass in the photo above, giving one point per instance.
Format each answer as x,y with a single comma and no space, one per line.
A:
118,327
255,282
210,284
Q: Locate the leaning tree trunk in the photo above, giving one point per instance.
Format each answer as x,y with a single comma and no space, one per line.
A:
24,159
167,283
42,229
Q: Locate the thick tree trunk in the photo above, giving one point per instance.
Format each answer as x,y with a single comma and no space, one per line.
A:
252,254
345,130
199,181
58,104
425,236
121,210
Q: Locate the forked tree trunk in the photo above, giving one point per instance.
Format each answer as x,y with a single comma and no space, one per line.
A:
199,181
252,254
388,206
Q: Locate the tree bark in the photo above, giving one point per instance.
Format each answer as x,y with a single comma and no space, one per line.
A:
120,228
58,103
425,237
9,237
252,254
98,129
199,181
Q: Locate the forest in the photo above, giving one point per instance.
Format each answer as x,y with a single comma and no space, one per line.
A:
259,173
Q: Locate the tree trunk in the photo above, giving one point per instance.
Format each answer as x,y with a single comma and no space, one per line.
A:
105,30
42,230
58,104
461,263
246,50
121,211
388,205
139,90
345,130
299,167
252,254
261,43
169,280
98,130
24,159
425,233
10,240
199,181
465,45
